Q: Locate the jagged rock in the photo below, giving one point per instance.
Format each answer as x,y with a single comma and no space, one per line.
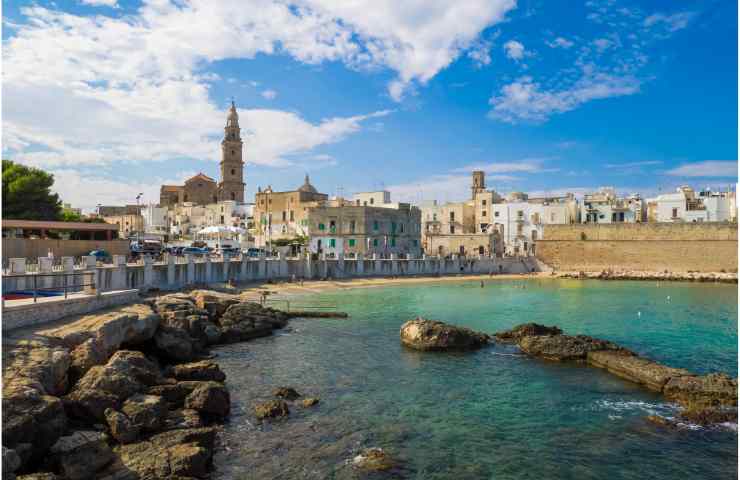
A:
147,412
168,455
85,356
121,427
526,330
81,454
636,369
40,364
254,313
244,331
422,334
31,418
211,399
709,415
126,373
183,418
175,343
715,389
203,370
215,303
271,409
373,459
309,402
564,347
286,393
11,461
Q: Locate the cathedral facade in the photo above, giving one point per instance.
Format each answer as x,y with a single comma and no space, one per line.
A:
202,189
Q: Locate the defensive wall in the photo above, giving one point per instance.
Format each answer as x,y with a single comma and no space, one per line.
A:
677,247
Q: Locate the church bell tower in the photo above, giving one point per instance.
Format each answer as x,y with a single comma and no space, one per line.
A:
231,186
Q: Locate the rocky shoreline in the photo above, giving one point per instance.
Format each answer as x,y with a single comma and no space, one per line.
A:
126,393
664,276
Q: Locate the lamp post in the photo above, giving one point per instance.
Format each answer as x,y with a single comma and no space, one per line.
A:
138,212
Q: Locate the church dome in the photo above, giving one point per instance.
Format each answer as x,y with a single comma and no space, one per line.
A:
307,187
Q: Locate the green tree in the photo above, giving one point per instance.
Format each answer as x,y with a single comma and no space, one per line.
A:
27,193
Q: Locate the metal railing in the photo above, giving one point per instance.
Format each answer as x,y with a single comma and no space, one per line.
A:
67,286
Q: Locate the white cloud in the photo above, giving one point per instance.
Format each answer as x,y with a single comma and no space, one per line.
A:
481,54
100,3
645,163
560,42
269,94
528,165
672,23
526,100
447,187
514,50
708,168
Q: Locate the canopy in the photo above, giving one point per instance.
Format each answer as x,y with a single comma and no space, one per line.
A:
220,229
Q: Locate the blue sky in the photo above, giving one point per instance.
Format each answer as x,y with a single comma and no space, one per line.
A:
118,97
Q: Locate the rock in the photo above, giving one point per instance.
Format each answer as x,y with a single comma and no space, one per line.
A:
309,402
85,356
146,412
286,393
636,369
421,334
526,330
212,333
11,461
31,419
715,389
215,303
709,415
175,344
373,459
271,409
183,418
81,454
253,314
168,455
211,399
37,476
121,427
42,364
564,347
203,370
126,373
244,331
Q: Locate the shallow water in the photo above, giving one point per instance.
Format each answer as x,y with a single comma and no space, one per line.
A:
485,414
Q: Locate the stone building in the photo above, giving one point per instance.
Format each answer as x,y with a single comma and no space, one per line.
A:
350,230
605,206
128,225
284,215
202,189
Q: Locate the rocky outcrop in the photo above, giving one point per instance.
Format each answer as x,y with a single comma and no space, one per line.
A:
636,369
203,370
373,459
422,334
287,393
526,330
80,455
309,402
564,347
271,409
666,276
121,427
694,391
146,412
210,399
175,344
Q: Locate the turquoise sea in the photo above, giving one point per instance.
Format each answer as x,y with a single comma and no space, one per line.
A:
489,414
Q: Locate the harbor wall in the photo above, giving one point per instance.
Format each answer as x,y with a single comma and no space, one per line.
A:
680,247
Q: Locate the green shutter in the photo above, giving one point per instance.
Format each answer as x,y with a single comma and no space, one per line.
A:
351,242
321,226
332,242
375,242
393,242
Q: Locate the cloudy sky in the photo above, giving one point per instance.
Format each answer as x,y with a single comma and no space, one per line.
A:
117,97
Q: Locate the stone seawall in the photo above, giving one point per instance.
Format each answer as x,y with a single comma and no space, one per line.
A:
640,247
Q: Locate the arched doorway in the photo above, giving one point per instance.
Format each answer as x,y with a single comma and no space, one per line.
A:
481,250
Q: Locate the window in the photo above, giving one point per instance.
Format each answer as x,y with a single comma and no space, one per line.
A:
332,242
520,213
285,215
452,229
434,217
414,242
393,227
292,216
233,172
400,227
352,228
483,203
232,152
483,213
393,241
222,219
452,216
357,202
351,242
495,214
375,242
332,226
372,200
375,225
321,226
233,196
675,213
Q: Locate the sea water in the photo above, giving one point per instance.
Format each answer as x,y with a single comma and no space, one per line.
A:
492,413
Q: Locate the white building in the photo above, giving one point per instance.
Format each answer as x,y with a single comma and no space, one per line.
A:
380,198
686,206
605,206
156,220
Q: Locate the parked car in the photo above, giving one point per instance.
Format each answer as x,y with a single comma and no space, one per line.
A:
101,256
197,251
253,252
232,251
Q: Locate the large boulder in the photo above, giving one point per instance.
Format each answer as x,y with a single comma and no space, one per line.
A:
176,344
526,330
203,370
185,453
713,390
11,461
422,334
31,419
373,459
81,454
246,330
41,363
215,303
146,412
634,368
211,399
106,386
121,427
565,347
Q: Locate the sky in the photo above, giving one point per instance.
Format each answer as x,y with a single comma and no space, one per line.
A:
116,98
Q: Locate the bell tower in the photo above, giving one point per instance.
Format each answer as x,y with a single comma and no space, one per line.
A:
231,186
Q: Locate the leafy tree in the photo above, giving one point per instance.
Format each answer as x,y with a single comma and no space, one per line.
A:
70,216
27,193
